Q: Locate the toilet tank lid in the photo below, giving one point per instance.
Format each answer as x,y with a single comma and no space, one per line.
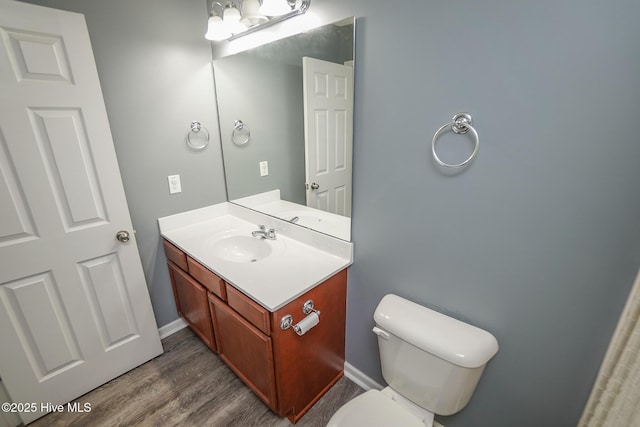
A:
445,337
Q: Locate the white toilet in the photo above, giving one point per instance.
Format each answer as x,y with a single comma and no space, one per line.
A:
431,362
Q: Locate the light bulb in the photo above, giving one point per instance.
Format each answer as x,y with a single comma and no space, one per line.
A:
231,14
231,19
251,13
216,30
275,7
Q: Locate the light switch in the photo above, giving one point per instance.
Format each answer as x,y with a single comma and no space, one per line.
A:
264,168
174,184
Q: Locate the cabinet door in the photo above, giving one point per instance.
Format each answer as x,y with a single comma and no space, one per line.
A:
246,350
191,302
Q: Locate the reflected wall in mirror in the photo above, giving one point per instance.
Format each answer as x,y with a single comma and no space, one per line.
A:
286,123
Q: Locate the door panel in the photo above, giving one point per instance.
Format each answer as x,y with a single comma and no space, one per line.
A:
328,111
17,223
37,56
110,303
63,145
37,315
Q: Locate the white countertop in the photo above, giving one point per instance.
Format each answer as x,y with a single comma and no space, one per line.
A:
301,258
270,203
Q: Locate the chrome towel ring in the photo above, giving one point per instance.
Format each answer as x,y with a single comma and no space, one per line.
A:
198,136
241,134
461,123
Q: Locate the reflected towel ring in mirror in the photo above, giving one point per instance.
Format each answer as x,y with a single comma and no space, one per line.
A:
198,136
241,133
460,124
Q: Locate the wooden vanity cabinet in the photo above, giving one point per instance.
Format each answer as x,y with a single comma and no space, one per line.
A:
287,371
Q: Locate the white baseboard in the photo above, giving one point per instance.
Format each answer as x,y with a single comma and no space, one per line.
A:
172,328
360,378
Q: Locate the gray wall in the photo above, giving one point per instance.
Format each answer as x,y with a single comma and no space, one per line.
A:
267,96
538,241
155,71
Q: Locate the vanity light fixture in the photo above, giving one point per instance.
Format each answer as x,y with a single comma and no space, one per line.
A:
241,17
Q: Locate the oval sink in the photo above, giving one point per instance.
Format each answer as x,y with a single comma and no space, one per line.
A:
242,249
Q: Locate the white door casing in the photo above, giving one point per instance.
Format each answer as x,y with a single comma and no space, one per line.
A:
328,128
75,310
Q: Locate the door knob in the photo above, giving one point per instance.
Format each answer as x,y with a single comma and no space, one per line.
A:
122,236
315,186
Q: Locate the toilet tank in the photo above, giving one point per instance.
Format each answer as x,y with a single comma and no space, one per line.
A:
431,359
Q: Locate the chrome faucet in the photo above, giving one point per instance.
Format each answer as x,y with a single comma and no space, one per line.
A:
264,233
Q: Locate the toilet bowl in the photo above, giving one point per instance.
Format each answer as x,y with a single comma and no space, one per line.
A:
431,362
381,408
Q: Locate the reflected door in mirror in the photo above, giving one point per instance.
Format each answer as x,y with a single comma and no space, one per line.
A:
328,127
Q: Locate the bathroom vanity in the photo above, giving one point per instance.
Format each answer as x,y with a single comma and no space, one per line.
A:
236,292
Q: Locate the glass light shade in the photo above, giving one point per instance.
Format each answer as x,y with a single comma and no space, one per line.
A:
231,19
275,7
251,13
250,7
216,30
231,14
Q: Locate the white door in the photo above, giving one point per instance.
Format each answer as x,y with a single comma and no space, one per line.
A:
74,306
328,129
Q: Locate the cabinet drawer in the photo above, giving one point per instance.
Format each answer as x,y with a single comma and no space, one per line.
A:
249,309
175,255
208,279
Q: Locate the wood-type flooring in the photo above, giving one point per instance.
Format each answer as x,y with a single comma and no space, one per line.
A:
187,386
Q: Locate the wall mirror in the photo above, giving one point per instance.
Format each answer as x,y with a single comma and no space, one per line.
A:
286,126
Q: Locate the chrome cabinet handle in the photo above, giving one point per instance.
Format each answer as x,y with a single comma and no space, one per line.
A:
122,236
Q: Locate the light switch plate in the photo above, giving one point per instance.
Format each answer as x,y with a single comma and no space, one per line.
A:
264,168
174,184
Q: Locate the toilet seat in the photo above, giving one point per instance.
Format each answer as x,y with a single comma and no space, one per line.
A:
373,409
